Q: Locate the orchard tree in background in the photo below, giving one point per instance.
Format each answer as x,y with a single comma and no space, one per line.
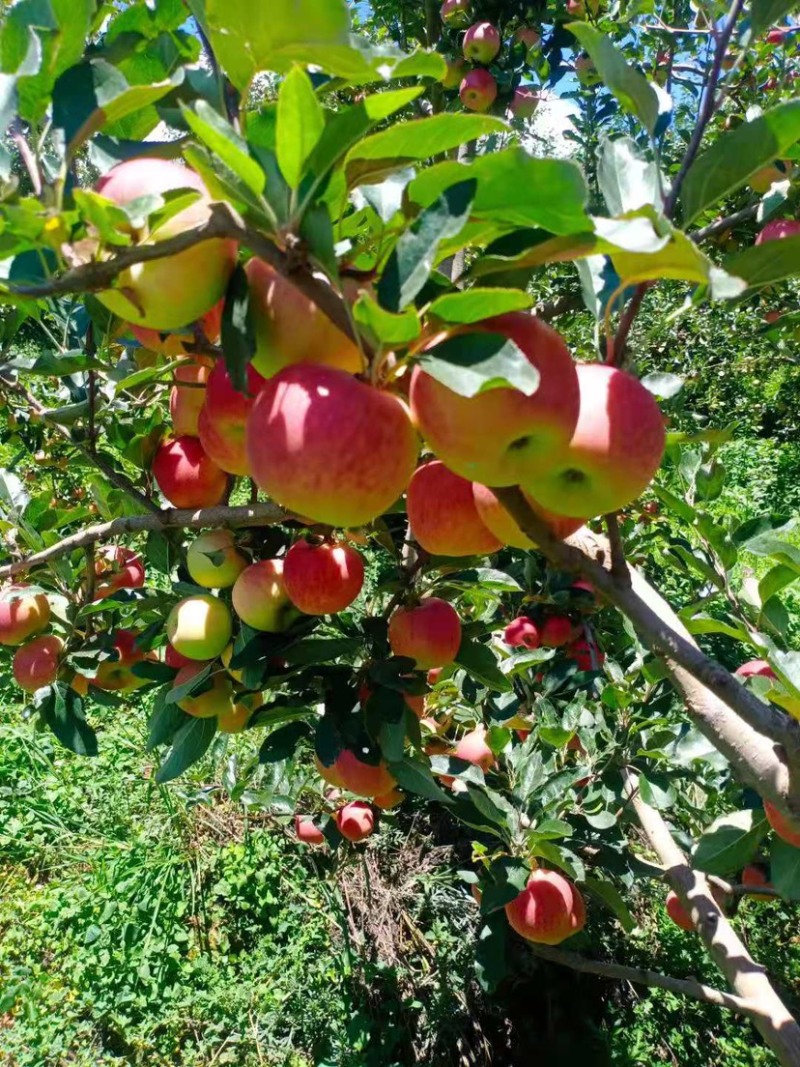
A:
317,465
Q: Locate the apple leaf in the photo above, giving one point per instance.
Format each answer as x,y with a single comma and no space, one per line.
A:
225,143
475,305
189,744
481,664
766,263
300,125
730,842
281,743
238,331
62,710
784,864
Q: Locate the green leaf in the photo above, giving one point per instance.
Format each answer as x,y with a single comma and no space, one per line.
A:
405,143
480,663
412,258
765,263
322,650
612,898
765,13
706,624
507,877
784,865
62,710
475,305
189,744
658,792
471,363
627,179
736,155
165,720
238,329
491,966
730,842
776,579
626,83
300,125
385,327
225,143
281,743
199,682
415,776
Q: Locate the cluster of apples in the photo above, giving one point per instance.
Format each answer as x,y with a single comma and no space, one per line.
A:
481,44
555,631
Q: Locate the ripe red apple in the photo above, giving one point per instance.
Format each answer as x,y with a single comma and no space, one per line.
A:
322,579
355,820
428,632
522,633
676,911
500,522
456,70
115,675
777,35
777,229
366,779
524,102
35,664
615,450
218,700
456,13
501,436
223,418
167,293
213,560
434,674
478,90
187,396
22,614
548,910
754,876
291,329
199,627
260,599
587,658
117,568
328,446
481,43
755,667
186,476
443,516
307,832
556,630
780,825
474,748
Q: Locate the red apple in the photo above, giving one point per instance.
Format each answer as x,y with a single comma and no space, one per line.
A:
548,910
175,659
260,599
556,630
307,832
524,102
328,446
501,436
478,90
780,825
676,911
499,521
434,674
428,632
35,664
223,418
115,675
754,876
22,614
356,820
357,776
117,568
322,579
186,476
474,748
586,657
177,344
167,293
615,450
389,800
755,667
442,513
522,633
777,35
456,13
777,229
481,43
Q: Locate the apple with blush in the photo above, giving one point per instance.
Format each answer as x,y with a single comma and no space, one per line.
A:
186,476
355,821
322,578
199,627
260,599
443,515
428,632
478,90
36,663
23,613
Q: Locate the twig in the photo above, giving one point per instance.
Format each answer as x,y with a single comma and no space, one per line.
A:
721,225
180,518
28,158
687,987
89,583
616,345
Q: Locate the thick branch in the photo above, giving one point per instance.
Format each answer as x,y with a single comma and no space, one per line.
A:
747,978
687,987
169,518
760,742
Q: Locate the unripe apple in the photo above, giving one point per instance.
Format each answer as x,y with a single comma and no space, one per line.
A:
22,614
260,599
481,43
307,832
443,515
389,800
167,293
503,526
548,910
366,779
223,418
524,102
218,700
290,328
522,633
456,13
322,579
213,560
186,476
557,630
456,70
778,229
226,655
478,90
328,446
615,450
117,568
474,748
755,667
780,825
428,632
115,675
586,70
187,396
199,627
779,171
501,436
355,820
35,664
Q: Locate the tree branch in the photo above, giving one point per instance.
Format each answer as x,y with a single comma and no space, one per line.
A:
687,987
747,978
721,225
169,518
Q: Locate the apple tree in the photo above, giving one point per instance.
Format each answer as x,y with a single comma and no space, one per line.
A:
309,459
